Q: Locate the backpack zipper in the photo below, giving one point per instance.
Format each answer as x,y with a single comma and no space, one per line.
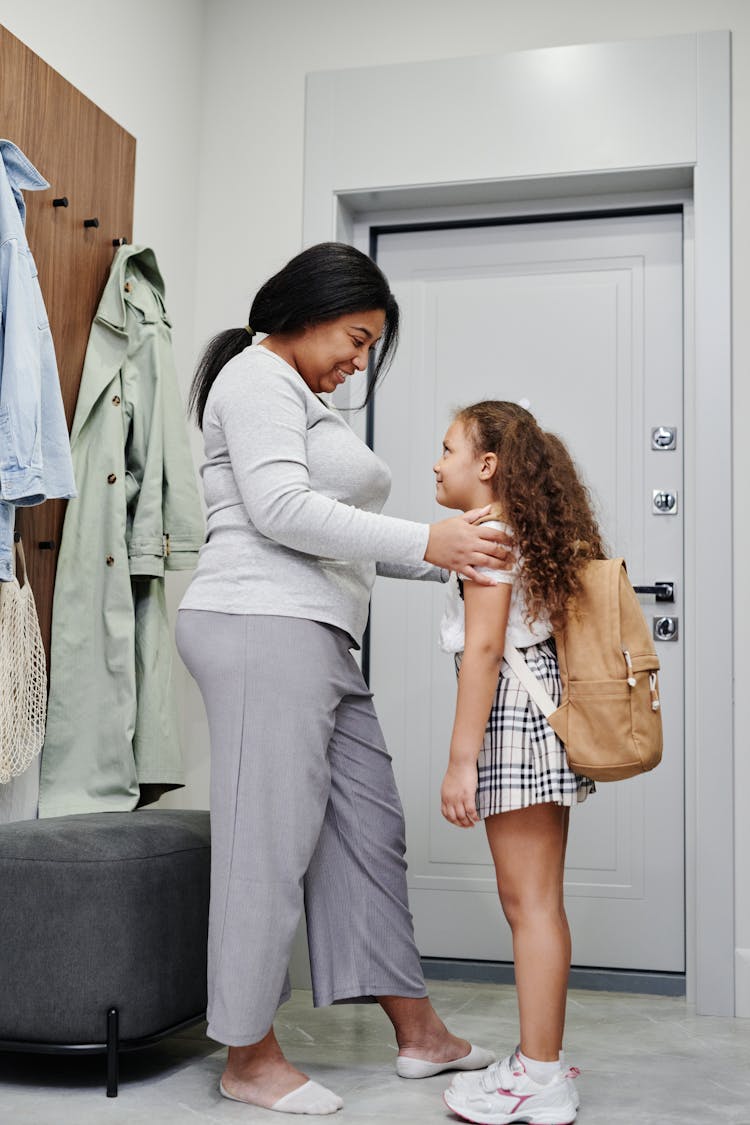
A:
629,662
655,701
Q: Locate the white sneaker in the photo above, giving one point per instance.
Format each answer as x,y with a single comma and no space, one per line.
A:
472,1081
505,1094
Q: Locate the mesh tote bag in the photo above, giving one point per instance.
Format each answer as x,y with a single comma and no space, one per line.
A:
23,675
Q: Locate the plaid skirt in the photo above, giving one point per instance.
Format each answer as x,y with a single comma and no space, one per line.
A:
522,761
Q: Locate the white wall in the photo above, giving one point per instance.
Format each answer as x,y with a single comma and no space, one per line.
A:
218,111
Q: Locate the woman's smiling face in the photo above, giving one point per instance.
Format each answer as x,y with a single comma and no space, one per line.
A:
326,354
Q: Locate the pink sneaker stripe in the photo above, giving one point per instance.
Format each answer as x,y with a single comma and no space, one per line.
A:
509,1094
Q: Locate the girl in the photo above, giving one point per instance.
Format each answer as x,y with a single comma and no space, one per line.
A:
507,766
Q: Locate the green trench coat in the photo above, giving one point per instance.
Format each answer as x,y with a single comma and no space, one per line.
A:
111,741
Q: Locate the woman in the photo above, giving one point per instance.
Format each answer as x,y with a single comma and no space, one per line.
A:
303,800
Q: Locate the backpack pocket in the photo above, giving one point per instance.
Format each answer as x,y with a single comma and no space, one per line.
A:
611,728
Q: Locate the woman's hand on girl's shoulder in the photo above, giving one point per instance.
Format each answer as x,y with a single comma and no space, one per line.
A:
458,795
460,544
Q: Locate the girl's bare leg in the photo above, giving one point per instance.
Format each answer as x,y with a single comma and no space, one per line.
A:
528,848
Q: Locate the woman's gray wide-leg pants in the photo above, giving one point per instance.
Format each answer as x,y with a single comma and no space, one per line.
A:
303,803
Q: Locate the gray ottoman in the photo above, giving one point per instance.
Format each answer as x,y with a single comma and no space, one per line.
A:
103,926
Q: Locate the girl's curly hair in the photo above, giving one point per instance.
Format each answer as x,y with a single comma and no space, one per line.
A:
543,499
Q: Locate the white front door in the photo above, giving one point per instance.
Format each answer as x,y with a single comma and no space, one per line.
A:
584,319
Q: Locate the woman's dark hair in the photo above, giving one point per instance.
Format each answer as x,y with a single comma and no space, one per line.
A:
543,498
322,283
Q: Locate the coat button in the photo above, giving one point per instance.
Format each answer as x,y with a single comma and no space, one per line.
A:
111,478
128,287
110,560
116,400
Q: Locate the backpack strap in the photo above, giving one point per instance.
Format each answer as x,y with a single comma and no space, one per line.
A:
514,658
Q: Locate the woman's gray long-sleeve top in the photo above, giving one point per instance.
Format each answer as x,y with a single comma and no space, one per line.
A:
293,499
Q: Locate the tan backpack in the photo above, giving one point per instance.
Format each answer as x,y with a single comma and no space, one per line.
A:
610,715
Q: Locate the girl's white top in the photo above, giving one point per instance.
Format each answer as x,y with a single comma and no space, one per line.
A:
519,633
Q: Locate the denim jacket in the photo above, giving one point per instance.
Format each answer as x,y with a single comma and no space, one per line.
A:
35,461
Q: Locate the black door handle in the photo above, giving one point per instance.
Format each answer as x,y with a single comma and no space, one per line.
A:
662,591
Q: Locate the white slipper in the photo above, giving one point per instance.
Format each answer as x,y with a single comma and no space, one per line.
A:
311,1097
477,1059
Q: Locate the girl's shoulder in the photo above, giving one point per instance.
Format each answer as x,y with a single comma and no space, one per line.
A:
499,524
494,518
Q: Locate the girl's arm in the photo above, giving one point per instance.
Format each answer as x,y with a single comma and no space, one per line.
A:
486,613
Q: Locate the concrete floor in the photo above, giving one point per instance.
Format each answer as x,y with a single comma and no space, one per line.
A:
645,1060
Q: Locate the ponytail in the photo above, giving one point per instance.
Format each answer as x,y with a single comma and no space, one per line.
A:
225,346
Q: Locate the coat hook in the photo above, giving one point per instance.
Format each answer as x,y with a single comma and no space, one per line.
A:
47,545
119,242
91,222
61,202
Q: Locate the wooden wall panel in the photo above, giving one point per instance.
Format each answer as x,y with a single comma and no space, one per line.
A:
90,159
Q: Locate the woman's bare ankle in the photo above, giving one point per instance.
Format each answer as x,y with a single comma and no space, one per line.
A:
435,1048
260,1073
420,1033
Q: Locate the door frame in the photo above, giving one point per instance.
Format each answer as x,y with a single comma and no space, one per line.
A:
331,211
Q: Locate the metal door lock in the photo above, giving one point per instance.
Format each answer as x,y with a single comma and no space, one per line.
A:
663,503
666,628
664,438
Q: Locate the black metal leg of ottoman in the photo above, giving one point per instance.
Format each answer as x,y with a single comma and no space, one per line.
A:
113,1046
